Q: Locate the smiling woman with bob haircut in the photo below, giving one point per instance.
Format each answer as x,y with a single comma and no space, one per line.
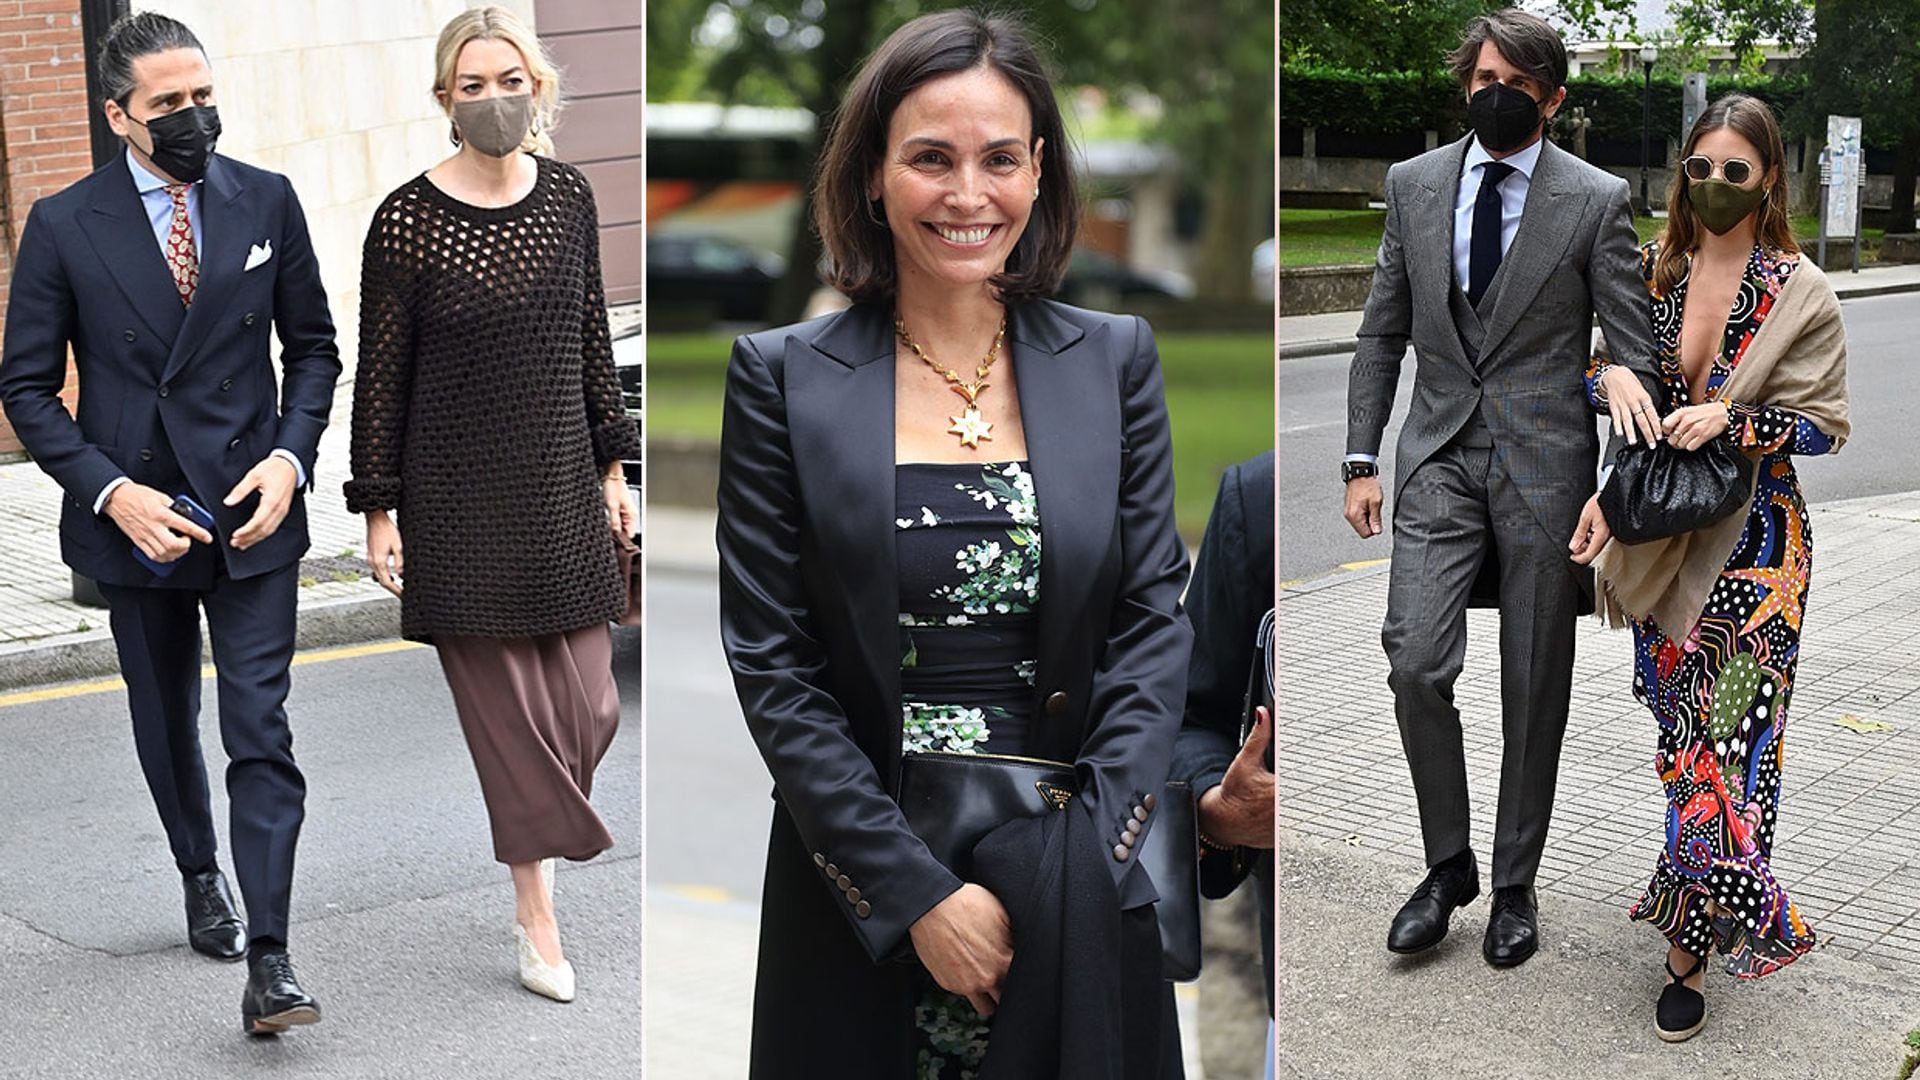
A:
946,531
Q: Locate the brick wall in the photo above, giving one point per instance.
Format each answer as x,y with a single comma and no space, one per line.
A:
43,123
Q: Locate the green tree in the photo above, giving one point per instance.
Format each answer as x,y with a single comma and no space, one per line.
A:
1865,62
1376,35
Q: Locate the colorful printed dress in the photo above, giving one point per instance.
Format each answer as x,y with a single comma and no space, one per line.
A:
969,565
1720,694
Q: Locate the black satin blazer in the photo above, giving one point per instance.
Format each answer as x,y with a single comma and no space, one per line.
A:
809,592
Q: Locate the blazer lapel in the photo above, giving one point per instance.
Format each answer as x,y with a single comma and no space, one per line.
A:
840,421
1070,407
122,236
1547,222
1430,248
223,239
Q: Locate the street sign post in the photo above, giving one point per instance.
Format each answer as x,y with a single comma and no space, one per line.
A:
1842,180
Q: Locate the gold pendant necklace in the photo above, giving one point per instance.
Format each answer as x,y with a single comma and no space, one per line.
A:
970,426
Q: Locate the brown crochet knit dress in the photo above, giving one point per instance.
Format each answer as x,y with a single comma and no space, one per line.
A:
485,410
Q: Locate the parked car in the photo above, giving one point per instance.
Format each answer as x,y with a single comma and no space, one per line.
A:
734,279
1098,280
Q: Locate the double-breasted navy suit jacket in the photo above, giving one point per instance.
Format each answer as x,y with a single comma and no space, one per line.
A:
172,397
809,593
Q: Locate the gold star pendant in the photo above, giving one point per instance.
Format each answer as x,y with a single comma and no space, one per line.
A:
971,427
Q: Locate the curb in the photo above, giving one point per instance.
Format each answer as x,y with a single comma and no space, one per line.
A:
323,624
1302,350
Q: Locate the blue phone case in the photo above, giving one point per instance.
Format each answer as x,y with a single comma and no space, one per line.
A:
183,505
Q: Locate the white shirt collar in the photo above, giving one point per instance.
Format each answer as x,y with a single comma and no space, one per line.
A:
1522,162
144,179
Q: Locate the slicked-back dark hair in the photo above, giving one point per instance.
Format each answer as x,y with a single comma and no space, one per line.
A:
1528,42
860,260
132,36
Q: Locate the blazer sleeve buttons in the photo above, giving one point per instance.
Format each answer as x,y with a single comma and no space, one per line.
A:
863,909
128,335
1140,814
1120,852
1149,801
819,859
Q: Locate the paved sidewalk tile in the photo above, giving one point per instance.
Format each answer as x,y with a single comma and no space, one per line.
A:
1848,842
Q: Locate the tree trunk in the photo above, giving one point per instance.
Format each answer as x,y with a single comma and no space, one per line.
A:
847,25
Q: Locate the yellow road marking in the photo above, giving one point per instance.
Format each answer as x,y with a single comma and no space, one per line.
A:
105,686
1363,564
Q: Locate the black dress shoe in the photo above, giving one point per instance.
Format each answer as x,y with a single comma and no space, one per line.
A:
274,1001
1513,930
1682,1011
1422,921
214,928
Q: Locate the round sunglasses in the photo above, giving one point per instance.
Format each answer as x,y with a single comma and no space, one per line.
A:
1700,167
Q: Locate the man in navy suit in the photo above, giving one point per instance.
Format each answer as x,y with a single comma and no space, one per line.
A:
164,272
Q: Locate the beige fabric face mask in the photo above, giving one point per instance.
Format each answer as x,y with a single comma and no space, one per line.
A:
496,126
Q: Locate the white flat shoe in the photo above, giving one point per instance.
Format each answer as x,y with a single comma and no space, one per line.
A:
537,975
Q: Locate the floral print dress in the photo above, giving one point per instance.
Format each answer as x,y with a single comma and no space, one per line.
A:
1720,692
969,564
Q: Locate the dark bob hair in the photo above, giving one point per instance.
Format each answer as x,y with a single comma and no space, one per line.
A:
859,247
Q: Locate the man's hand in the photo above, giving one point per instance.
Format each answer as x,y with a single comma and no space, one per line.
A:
966,944
1691,427
1591,535
1634,414
147,517
383,551
1239,809
1363,505
274,479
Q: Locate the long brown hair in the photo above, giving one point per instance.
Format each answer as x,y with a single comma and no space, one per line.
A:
1753,120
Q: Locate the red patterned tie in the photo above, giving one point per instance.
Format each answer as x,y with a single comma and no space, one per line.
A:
181,257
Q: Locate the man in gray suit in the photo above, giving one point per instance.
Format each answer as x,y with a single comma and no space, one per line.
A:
1499,251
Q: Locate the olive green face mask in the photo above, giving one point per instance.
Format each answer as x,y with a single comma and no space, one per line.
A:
1720,205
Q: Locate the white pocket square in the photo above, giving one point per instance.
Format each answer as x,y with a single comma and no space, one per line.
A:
258,254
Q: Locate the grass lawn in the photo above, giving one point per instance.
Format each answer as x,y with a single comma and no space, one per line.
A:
1344,237
1219,398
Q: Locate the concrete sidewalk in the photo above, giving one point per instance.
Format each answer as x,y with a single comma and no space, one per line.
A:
1848,848
1332,334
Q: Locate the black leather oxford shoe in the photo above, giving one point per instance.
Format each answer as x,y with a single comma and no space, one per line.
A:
214,928
1422,921
1513,931
274,1000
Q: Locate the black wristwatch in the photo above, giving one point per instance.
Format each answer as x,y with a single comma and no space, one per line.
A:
1354,470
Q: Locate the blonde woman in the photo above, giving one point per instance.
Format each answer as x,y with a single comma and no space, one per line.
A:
488,416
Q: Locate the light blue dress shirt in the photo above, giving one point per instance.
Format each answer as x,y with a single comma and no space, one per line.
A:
158,204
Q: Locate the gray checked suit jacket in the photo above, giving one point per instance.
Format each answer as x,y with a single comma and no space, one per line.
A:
1519,359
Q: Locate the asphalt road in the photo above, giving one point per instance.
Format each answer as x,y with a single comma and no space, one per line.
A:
1883,456
401,918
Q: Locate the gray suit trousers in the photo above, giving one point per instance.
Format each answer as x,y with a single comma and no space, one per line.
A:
1459,507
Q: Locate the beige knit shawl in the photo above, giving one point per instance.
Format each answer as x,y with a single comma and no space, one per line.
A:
1797,360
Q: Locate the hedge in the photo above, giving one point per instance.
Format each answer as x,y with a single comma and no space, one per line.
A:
1364,103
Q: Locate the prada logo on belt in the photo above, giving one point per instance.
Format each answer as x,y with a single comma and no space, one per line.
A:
1056,796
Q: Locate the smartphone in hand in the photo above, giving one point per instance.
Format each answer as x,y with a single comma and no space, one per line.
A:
183,505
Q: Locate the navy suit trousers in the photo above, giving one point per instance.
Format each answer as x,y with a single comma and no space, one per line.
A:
251,624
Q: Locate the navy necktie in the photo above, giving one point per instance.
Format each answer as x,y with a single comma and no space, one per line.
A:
1483,250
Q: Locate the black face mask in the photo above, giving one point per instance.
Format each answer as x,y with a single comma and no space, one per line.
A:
1503,118
183,141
